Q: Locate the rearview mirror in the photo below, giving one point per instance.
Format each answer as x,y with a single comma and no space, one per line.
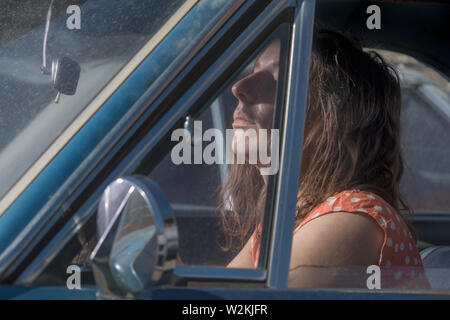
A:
138,240
65,75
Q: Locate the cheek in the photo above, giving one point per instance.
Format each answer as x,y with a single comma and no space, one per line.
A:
264,116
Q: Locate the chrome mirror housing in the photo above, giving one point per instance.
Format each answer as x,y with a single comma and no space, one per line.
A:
138,238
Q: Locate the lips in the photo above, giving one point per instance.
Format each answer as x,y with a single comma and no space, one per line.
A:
242,122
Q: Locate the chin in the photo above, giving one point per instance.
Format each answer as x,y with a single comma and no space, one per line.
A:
243,149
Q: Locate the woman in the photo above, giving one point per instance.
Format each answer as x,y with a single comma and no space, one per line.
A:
347,216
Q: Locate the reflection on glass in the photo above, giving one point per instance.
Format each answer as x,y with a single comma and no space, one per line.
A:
111,33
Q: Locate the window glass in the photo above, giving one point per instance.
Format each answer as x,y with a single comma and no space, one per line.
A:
99,37
250,99
207,167
425,134
110,35
426,183
425,140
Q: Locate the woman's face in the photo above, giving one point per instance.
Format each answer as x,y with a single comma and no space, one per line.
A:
256,96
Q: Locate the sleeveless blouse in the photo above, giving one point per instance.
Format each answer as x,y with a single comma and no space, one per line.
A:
399,260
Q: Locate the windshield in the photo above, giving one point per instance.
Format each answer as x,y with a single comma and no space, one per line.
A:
100,36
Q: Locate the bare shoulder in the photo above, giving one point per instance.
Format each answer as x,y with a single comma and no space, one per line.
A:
338,239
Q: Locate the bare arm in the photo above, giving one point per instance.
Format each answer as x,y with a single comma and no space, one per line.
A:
334,250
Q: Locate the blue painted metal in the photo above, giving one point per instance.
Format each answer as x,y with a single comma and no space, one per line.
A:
90,293
281,242
47,293
285,294
202,273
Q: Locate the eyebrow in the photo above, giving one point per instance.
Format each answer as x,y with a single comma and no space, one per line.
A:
273,64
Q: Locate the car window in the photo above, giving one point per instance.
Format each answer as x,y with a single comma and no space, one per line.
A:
425,134
426,183
107,37
194,189
426,155
195,185
193,194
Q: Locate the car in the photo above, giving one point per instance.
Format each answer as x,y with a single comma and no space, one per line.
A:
91,95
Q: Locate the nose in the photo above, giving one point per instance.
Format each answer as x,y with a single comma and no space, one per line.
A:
255,88
245,89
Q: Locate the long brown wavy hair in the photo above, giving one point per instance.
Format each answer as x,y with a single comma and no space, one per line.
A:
352,137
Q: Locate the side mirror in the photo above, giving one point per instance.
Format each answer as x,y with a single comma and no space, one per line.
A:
138,238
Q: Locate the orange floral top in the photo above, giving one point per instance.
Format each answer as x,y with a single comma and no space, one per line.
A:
399,261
